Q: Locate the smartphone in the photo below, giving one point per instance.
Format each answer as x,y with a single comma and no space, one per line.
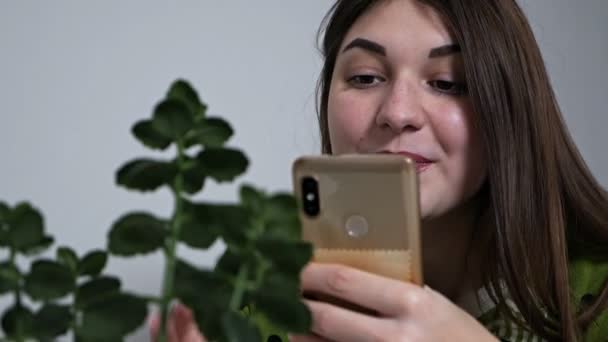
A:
362,211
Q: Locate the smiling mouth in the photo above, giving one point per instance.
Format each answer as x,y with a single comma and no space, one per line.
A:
421,167
422,163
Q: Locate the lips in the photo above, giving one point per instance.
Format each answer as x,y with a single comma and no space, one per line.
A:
422,163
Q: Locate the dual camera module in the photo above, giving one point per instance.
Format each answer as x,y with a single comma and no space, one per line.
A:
310,196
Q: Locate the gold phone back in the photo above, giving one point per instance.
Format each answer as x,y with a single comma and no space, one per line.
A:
369,213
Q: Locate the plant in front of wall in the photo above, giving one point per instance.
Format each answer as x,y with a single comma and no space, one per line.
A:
55,295
250,293
264,255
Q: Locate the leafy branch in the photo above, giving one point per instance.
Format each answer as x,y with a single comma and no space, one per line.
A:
53,282
261,232
252,291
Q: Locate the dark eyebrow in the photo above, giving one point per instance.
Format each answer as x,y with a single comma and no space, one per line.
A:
444,50
366,45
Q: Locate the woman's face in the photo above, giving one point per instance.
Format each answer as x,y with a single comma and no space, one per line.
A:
398,87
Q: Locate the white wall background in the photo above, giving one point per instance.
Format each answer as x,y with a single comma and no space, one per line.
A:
74,77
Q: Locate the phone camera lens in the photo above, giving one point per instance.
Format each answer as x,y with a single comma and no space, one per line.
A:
310,196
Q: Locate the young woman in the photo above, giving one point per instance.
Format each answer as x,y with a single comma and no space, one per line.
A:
507,202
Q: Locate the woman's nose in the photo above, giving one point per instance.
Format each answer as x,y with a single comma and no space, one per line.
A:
401,109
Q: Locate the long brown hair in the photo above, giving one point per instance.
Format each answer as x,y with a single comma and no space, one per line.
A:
540,189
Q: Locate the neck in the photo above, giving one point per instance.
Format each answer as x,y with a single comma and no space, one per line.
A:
451,248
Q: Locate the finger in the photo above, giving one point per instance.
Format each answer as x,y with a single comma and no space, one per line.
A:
176,325
338,324
184,325
172,334
154,325
182,319
193,335
384,295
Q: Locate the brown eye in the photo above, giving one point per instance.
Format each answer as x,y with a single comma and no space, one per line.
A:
364,81
448,87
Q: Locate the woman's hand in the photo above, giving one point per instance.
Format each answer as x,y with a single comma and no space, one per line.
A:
180,328
406,312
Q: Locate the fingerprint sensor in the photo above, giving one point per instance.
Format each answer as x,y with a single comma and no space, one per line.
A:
356,226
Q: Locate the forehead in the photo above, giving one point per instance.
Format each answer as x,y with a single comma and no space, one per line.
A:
406,23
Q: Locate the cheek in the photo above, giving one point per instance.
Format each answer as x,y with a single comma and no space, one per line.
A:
452,129
349,117
460,140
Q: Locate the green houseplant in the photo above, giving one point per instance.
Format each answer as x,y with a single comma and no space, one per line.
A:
251,293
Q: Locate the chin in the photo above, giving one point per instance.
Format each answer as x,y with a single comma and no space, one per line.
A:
426,212
429,209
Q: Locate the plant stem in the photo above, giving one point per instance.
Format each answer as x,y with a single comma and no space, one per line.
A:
260,272
169,274
13,256
239,288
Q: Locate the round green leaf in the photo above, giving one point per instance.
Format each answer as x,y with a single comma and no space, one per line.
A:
229,221
212,133
112,318
92,263
80,338
137,233
49,280
223,164
283,204
9,277
286,313
252,198
598,329
52,321
195,234
4,212
279,300
96,289
281,217
237,328
18,321
182,91
269,332
588,274
288,257
145,174
4,239
193,176
39,247
172,119
200,288
68,257
209,320
148,135
206,293
229,263
26,227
